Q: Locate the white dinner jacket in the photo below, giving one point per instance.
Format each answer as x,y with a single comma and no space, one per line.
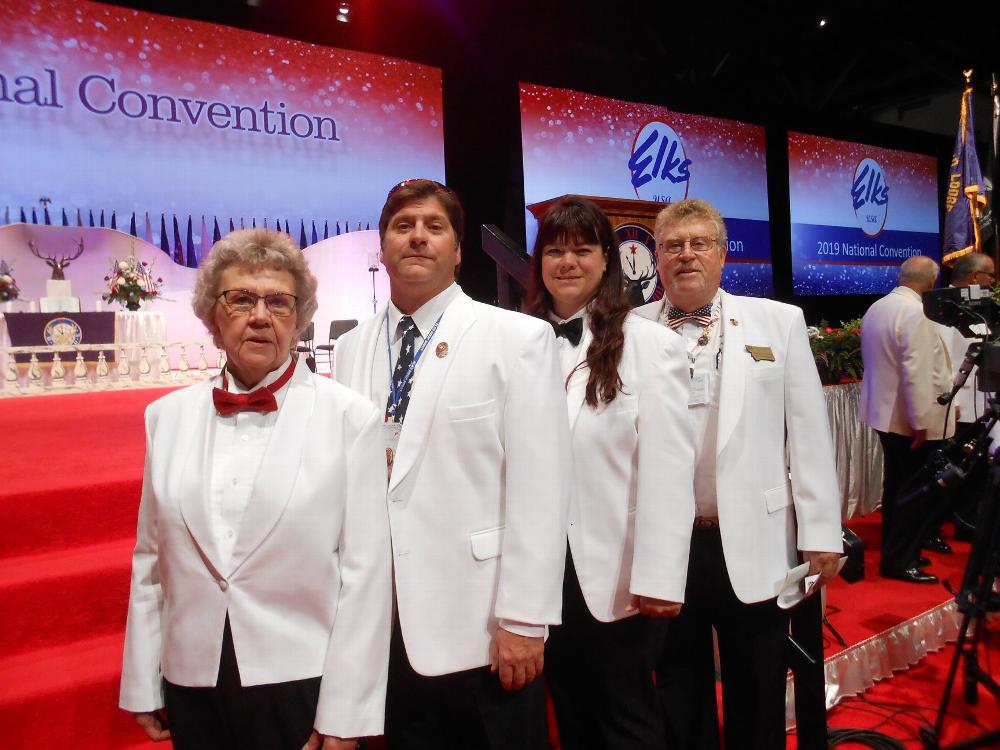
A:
308,586
633,469
776,482
906,367
479,488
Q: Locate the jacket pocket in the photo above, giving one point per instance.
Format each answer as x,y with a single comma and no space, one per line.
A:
467,412
487,543
778,497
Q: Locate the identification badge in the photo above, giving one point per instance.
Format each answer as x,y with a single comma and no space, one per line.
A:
390,438
761,353
698,394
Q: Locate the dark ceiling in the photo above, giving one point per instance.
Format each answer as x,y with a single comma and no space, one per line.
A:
879,72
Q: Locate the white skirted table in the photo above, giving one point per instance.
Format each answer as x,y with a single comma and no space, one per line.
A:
857,452
140,327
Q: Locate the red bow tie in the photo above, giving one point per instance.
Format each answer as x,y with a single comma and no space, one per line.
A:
260,399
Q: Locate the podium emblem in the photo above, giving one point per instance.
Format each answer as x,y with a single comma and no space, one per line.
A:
62,332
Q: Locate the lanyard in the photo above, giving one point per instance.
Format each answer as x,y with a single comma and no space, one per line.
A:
397,393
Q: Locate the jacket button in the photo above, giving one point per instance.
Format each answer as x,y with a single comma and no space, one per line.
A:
223,584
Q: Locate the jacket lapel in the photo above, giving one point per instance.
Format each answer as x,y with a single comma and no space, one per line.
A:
197,426
458,318
279,467
734,363
576,390
364,361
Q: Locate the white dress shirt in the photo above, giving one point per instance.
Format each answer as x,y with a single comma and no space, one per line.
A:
706,362
237,449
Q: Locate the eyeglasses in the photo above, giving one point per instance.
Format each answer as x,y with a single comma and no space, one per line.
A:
410,181
697,245
244,302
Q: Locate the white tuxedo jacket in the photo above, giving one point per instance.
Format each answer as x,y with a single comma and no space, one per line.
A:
906,367
633,471
308,587
479,488
775,475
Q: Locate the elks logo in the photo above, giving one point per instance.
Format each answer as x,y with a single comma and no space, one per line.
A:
62,332
870,197
636,249
659,167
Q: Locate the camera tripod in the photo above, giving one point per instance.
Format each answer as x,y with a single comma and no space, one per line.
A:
976,596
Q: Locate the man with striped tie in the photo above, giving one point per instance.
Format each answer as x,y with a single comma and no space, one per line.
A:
760,418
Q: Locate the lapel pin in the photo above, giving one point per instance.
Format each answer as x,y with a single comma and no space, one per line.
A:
734,322
441,350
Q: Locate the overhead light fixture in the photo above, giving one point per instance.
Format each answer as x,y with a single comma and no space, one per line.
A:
343,12
822,23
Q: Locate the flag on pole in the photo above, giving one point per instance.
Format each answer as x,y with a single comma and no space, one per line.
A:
966,195
206,240
164,238
178,245
147,232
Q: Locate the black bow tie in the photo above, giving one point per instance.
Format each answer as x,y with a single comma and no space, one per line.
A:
572,331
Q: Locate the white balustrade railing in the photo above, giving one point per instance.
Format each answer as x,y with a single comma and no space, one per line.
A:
136,365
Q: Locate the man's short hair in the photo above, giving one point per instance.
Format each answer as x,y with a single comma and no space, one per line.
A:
966,266
692,208
408,191
919,269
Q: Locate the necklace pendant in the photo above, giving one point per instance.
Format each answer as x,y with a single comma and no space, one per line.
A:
703,339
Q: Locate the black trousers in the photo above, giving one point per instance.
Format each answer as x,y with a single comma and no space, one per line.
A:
600,676
753,643
905,525
229,716
460,711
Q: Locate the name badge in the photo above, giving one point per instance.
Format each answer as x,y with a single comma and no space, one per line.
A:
698,393
761,353
390,438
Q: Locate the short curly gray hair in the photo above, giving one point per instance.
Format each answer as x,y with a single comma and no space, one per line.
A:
691,208
254,248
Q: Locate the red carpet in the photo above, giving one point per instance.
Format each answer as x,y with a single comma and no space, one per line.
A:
68,502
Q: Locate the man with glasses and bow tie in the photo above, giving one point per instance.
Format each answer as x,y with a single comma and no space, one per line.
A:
261,601
477,444
765,489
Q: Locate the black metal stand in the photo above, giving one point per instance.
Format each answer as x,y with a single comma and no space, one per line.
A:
974,601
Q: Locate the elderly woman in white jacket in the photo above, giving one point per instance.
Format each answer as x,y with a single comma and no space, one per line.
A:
260,606
632,505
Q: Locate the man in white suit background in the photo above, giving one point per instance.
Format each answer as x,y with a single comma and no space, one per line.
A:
477,439
906,367
755,394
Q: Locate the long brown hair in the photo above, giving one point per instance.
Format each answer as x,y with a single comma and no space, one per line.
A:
576,219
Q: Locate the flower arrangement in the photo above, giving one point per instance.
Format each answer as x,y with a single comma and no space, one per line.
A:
8,287
837,351
131,282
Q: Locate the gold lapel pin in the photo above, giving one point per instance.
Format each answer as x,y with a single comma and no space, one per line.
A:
441,350
734,322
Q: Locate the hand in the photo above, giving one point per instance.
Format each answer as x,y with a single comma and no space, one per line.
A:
651,607
517,658
328,742
823,563
154,724
919,437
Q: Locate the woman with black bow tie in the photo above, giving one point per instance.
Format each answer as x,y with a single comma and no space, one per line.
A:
259,614
632,506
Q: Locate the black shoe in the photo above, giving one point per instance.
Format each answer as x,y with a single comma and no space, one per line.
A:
923,562
910,575
937,544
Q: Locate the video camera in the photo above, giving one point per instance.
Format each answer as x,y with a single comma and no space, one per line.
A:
971,310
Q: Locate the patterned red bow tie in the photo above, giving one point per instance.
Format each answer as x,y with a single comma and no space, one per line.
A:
702,316
259,399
